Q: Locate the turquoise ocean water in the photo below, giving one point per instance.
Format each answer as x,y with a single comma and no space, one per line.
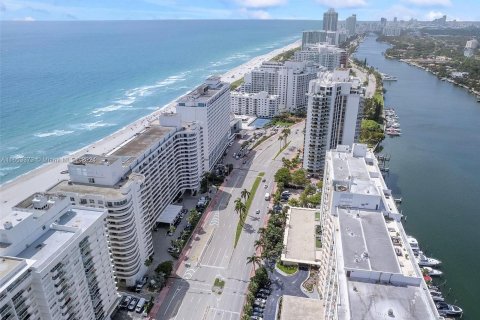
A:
64,85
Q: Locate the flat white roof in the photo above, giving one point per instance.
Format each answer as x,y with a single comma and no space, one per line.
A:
366,243
301,308
299,238
169,214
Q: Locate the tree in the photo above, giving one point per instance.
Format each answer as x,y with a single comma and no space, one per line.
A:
280,138
165,267
287,163
283,176
285,133
258,244
254,260
240,208
245,194
299,178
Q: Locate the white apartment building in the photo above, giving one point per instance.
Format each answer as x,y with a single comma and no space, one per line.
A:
259,104
470,48
392,30
334,114
328,56
55,263
135,183
330,20
351,25
288,80
322,36
209,105
367,269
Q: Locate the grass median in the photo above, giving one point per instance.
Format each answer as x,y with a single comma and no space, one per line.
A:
248,204
281,150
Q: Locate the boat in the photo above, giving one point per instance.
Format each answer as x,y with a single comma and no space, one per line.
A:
386,77
424,261
413,243
393,132
446,309
437,296
433,272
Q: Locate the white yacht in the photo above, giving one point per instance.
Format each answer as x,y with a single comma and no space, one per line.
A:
413,244
433,272
424,261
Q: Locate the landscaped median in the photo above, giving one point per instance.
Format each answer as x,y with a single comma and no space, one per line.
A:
281,150
248,203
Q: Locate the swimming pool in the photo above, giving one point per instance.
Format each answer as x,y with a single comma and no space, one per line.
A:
260,122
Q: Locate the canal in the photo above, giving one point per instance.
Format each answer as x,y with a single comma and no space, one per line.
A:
435,168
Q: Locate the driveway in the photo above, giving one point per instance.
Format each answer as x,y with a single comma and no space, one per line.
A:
283,285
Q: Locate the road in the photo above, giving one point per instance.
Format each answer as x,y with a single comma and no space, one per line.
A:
372,82
212,255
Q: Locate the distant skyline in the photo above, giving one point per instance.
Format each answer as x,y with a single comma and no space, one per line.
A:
366,10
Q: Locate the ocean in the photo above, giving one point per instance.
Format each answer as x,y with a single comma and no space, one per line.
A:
64,85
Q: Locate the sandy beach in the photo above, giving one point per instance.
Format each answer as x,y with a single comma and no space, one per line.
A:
45,176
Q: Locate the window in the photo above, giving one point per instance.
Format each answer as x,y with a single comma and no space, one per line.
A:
72,199
91,180
91,201
83,201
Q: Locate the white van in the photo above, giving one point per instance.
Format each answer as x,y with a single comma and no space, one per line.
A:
267,196
140,305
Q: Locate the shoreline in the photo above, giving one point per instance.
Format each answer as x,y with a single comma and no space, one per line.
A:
46,175
476,94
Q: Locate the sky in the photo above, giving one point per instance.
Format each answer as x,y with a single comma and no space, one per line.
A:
366,10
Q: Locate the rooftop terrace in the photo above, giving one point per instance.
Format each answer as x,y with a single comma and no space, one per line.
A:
301,308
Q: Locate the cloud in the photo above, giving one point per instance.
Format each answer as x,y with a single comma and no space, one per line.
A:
254,14
28,18
433,15
428,3
343,3
261,3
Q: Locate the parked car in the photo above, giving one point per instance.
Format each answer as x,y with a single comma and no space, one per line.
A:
265,291
140,284
258,211
132,304
173,250
140,305
125,302
258,309
262,295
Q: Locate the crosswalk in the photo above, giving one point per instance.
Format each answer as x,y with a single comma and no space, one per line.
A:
215,221
221,314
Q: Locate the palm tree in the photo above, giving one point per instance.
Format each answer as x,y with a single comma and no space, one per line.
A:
285,133
255,260
240,208
258,243
262,231
280,138
245,194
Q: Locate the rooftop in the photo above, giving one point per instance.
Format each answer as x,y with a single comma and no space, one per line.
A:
142,141
8,264
54,241
345,166
88,189
299,238
301,308
373,301
203,92
94,159
366,243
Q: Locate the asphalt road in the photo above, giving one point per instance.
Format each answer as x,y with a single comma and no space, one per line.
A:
190,296
283,285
